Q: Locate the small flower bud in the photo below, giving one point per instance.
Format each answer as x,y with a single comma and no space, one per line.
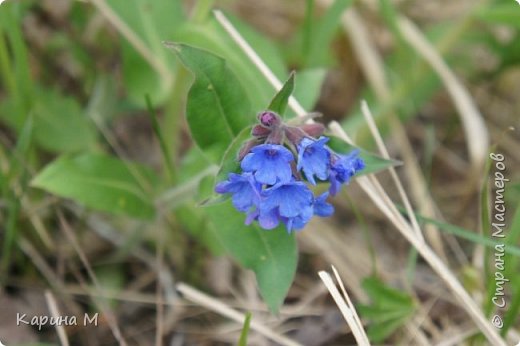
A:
294,134
269,118
260,131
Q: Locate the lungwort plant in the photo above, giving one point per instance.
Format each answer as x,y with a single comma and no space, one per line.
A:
269,166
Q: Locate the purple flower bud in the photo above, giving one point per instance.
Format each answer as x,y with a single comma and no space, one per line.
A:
269,118
260,131
294,135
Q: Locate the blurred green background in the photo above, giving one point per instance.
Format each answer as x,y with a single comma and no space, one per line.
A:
101,182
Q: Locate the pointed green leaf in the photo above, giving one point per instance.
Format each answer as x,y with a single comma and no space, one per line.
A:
380,331
388,310
307,86
60,125
102,183
217,108
279,102
502,13
213,37
385,296
272,255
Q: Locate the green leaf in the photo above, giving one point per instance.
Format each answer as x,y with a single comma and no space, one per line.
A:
307,86
506,13
102,183
213,37
379,332
385,296
373,163
217,107
272,255
389,309
229,164
245,331
60,125
229,161
279,102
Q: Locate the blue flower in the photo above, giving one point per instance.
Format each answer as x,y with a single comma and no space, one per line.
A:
321,207
270,164
314,158
289,199
342,169
244,188
298,222
290,203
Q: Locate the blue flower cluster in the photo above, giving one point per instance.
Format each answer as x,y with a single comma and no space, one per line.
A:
271,189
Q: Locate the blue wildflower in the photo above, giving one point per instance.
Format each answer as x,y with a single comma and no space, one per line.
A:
270,189
270,164
321,207
244,188
290,203
343,168
314,158
298,222
290,199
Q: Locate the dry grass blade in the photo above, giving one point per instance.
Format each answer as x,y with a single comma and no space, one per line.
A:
346,311
213,304
111,319
370,185
474,126
382,149
251,54
53,308
373,67
362,337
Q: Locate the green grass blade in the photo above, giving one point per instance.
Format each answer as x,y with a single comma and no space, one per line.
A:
468,235
245,331
162,142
